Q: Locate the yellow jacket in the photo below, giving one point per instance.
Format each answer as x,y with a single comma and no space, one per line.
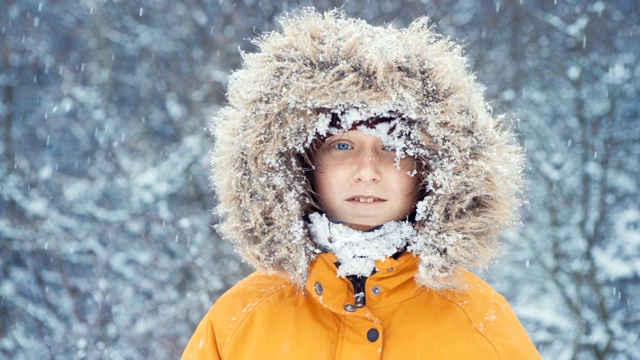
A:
265,316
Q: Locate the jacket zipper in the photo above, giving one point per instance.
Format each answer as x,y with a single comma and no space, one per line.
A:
359,297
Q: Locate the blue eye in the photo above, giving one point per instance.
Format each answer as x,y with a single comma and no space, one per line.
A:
342,146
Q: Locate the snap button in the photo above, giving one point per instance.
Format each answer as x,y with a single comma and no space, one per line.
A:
350,307
390,269
373,335
376,290
318,288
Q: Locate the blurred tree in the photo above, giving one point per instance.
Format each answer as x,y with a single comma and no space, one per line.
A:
107,215
107,246
570,71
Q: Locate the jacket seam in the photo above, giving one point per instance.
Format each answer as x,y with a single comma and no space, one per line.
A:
246,315
401,301
341,332
473,325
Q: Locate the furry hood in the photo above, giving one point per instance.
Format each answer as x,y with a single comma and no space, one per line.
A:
323,64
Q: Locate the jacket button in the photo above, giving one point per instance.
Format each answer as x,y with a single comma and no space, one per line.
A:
373,335
376,290
350,307
318,288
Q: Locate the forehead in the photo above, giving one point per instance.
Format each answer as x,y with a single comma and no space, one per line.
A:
385,129
353,135
393,130
351,120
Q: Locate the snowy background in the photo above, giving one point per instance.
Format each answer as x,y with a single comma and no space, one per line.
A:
107,250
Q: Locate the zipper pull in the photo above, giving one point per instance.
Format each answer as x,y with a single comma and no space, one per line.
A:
358,293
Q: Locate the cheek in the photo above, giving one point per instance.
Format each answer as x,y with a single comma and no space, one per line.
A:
408,185
411,182
322,184
408,164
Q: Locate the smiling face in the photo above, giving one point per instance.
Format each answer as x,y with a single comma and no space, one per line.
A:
357,180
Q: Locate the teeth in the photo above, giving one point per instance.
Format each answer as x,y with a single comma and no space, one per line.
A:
365,200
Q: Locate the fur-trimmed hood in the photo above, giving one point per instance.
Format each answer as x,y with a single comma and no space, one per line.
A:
320,64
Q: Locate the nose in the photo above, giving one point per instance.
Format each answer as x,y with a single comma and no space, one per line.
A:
367,167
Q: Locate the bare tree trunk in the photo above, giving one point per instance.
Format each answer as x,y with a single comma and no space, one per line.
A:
9,159
7,115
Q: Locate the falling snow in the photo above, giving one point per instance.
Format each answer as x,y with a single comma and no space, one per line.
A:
105,201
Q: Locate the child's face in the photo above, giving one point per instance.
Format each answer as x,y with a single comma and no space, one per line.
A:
357,180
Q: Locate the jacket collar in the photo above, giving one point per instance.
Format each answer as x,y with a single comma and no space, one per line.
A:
393,283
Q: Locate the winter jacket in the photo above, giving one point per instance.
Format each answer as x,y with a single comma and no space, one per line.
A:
266,316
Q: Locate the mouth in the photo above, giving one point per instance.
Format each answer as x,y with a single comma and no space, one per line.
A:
366,199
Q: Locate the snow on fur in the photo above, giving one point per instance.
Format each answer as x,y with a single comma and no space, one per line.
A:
323,64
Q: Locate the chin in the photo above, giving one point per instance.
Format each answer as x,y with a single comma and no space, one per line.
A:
368,222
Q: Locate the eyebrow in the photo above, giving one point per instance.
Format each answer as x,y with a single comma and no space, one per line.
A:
342,135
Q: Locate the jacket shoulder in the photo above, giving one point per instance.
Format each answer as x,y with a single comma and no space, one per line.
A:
234,306
490,314
251,291
217,328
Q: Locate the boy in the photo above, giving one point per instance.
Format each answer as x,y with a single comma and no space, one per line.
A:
359,170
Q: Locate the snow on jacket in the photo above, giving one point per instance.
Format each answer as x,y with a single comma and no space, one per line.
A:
266,316
321,64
